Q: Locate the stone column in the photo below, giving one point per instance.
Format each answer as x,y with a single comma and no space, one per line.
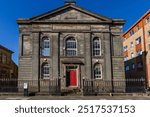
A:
36,60
55,52
107,56
88,55
35,56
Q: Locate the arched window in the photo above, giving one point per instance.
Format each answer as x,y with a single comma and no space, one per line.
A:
97,71
45,71
96,47
71,47
45,46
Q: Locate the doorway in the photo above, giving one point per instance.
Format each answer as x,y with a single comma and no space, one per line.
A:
71,76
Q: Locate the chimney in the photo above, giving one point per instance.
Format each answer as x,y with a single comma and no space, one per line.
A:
73,2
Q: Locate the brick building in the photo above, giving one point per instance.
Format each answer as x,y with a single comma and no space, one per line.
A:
136,42
8,69
70,43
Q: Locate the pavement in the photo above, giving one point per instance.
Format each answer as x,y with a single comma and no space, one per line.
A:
75,98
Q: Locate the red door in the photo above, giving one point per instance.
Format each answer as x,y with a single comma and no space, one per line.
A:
73,78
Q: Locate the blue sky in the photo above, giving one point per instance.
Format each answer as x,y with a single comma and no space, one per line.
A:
10,10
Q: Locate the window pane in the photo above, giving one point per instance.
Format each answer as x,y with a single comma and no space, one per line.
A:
45,52
96,47
45,71
125,58
45,46
97,71
132,55
137,27
139,53
71,48
138,40
132,44
131,32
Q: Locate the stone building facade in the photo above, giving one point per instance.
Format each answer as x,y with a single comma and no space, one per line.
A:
8,69
70,43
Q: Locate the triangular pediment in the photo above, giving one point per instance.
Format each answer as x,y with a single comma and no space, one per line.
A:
70,13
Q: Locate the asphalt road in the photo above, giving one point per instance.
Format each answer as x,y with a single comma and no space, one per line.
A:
75,98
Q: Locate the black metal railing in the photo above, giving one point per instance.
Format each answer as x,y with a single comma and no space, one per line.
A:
7,85
90,87
46,86
94,87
